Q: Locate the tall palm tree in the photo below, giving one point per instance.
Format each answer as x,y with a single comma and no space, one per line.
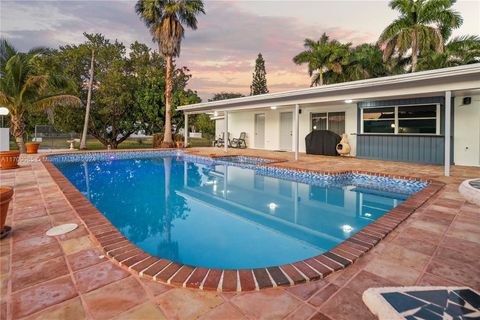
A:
165,19
323,56
422,26
22,90
458,51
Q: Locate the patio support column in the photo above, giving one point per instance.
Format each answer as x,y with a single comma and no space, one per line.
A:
225,131
186,129
296,130
448,125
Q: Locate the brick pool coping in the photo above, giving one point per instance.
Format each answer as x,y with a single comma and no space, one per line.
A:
127,255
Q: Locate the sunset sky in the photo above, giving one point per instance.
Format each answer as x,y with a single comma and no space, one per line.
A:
221,53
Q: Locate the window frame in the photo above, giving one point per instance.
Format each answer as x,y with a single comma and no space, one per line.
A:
327,122
396,120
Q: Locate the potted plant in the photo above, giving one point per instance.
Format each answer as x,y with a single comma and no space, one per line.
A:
32,147
5,197
9,159
179,141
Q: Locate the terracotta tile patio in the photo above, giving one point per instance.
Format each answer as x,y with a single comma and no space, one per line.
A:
67,277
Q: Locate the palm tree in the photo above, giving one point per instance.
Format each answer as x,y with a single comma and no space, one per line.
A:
422,26
165,19
365,61
22,90
83,141
458,51
323,57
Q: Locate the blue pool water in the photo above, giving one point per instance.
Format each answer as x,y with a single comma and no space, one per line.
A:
221,214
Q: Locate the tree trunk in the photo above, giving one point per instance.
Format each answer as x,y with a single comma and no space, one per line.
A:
167,135
20,144
321,76
18,131
414,51
83,142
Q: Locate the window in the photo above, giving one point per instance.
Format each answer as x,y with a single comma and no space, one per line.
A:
379,120
417,119
319,121
413,119
333,121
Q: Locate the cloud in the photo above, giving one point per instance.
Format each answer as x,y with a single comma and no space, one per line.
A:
220,54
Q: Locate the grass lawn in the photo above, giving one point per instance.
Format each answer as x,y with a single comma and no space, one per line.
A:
94,144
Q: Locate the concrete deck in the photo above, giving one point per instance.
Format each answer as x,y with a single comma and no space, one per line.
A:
67,278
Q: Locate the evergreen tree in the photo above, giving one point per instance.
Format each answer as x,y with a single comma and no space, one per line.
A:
259,82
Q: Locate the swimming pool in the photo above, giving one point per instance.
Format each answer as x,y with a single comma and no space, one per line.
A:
217,213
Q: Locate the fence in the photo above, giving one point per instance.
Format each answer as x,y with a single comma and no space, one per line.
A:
52,139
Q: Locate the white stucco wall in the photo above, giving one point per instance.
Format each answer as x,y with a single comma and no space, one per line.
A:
467,131
244,121
241,122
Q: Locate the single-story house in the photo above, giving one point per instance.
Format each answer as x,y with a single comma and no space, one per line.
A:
398,118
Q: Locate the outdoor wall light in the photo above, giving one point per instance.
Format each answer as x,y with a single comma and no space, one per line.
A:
215,114
348,101
273,108
272,205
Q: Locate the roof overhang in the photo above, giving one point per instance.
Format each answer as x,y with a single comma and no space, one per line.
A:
417,84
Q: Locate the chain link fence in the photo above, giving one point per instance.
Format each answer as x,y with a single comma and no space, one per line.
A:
52,139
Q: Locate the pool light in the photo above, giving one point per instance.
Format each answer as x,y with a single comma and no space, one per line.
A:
272,205
347,228
368,215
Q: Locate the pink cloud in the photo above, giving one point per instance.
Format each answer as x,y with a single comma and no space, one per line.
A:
221,53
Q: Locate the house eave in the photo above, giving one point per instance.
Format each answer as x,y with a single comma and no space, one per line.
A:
420,79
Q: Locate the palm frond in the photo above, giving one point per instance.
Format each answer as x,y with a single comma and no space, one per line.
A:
398,25
56,100
4,100
6,51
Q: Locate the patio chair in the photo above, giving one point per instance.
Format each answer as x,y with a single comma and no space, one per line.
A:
220,142
240,142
